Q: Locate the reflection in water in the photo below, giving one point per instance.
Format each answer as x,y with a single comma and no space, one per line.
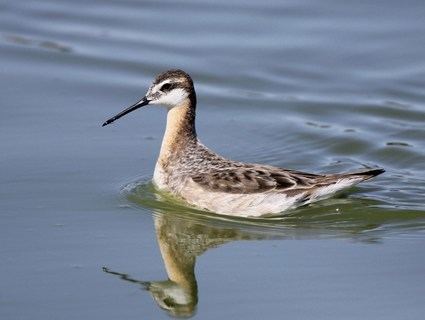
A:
183,234
181,241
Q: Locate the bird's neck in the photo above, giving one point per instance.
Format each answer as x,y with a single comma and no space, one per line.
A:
180,131
179,261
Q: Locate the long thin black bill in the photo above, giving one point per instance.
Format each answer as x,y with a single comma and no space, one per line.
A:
135,106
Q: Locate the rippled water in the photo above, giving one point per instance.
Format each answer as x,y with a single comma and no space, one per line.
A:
317,86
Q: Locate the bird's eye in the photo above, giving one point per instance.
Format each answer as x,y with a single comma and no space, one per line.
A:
165,87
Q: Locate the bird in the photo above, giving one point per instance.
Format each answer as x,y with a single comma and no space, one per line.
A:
190,171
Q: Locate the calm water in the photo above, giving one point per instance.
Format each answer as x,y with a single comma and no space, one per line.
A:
312,85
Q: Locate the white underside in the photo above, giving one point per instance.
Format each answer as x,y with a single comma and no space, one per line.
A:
243,205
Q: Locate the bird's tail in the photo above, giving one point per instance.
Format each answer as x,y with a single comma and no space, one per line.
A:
364,174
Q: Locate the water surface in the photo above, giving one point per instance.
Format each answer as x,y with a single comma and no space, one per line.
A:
317,86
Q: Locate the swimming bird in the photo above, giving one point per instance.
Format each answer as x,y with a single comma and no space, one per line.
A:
192,172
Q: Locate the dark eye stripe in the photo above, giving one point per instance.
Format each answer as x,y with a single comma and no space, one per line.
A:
166,87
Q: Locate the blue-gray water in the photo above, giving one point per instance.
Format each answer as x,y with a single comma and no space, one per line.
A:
321,86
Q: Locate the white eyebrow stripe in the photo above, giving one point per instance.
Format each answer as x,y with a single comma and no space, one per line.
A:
168,81
158,86
163,82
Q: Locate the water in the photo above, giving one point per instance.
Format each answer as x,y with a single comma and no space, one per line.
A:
319,86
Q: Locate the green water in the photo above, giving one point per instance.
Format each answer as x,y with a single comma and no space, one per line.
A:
316,86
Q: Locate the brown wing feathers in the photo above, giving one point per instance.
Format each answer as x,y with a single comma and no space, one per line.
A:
252,180
255,178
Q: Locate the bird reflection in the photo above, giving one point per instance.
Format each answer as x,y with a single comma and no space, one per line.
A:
183,236
181,241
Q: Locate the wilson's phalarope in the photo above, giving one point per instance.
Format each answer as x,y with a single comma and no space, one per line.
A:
189,170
